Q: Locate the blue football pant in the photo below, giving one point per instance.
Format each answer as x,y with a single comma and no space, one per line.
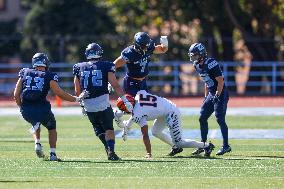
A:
220,109
132,86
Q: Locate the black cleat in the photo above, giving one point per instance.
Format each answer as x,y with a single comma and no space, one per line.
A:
113,157
208,150
175,151
223,150
53,157
198,151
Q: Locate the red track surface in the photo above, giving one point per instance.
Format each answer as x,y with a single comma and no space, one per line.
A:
277,101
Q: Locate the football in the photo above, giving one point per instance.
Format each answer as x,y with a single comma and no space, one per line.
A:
120,104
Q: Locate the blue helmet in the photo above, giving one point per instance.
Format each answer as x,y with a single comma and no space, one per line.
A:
93,51
197,52
40,59
142,41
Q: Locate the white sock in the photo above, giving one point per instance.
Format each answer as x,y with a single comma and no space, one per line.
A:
37,141
187,143
52,150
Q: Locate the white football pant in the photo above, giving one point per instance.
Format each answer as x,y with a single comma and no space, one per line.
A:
173,121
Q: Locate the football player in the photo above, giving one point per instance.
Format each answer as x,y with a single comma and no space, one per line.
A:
165,115
30,95
94,76
137,57
216,94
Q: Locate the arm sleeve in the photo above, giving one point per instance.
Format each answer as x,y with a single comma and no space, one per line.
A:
21,73
54,77
76,70
125,56
111,67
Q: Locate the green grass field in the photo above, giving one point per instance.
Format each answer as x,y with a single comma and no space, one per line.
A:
252,164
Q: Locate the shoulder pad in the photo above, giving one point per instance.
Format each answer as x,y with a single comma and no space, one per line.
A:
82,64
211,63
22,72
53,76
126,53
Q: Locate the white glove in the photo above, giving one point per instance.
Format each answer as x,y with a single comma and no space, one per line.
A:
128,105
110,88
82,96
164,41
84,111
117,118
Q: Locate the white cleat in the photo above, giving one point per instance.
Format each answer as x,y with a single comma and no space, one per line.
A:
38,150
148,156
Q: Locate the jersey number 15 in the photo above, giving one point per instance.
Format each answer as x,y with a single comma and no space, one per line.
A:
148,100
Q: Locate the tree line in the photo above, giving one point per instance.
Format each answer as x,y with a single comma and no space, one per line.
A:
67,26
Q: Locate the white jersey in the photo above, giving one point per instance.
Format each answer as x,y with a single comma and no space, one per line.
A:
149,107
166,115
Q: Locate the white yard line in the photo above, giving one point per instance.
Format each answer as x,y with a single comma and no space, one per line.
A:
139,177
249,111
193,134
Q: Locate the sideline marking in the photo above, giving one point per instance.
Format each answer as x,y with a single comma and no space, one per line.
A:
248,111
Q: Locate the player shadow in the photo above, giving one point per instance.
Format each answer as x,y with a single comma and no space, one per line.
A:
149,160
276,157
260,157
120,161
18,141
192,157
88,161
19,181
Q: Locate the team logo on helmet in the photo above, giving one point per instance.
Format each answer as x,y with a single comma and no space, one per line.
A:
40,59
197,52
93,51
142,41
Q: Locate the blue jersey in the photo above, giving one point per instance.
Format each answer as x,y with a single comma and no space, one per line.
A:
137,63
208,72
93,76
36,84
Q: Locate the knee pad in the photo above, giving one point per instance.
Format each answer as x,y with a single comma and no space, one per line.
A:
51,124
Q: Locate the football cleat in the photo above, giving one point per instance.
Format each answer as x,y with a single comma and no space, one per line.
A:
38,150
148,156
175,151
113,157
53,157
198,151
223,150
208,150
